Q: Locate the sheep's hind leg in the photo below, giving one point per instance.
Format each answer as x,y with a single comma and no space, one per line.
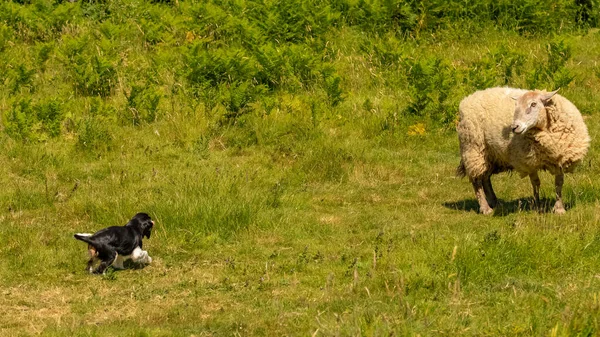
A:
484,207
489,192
559,207
535,183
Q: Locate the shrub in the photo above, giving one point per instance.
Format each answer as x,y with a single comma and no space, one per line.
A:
532,16
91,70
142,104
22,77
93,77
430,82
19,120
509,63
501,66
413,17
305,65
237,96
6,34
58,17
586,13
93,135
293,20
26,121
552,72
50,115
332,85
237,57
44,50
152,31
272,67
481,74
215,66
380,16
385,53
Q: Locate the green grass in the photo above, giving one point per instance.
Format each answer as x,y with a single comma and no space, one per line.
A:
298,160
380,239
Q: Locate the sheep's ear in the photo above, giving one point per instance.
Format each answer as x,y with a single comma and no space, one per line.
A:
548,95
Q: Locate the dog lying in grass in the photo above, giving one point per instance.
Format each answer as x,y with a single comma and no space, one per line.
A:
114,245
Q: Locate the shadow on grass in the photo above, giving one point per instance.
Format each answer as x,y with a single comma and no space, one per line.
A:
506,207
132,265
111,272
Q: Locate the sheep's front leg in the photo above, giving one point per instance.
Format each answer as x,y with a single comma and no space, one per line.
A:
489,192
484,207
535,183
559,207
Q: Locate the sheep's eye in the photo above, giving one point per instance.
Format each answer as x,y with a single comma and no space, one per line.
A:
533,104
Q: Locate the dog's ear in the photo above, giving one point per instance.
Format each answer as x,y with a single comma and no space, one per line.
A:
143,222
147,228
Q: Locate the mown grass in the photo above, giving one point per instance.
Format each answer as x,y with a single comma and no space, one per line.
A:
301,180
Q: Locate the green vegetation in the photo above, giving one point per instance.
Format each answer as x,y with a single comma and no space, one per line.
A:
298,158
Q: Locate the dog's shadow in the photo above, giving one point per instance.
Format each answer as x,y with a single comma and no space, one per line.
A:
505,208
129,265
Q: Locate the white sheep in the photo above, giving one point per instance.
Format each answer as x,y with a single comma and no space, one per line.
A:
502,129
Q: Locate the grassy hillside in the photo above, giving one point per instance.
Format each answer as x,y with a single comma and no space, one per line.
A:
298,158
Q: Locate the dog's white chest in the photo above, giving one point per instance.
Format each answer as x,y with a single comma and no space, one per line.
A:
138,255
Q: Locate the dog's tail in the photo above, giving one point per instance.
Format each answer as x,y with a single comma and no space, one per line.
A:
85,237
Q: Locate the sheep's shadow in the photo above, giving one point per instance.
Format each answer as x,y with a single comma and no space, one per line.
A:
505,208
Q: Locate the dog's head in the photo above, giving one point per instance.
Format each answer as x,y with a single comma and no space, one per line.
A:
143,223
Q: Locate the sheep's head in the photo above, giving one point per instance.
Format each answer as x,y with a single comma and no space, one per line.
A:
530,110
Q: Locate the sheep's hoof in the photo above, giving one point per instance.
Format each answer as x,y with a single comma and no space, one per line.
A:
559,210
486,211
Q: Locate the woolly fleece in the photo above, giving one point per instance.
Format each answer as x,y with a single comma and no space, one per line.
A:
488,146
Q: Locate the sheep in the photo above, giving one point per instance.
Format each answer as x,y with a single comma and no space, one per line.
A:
503,129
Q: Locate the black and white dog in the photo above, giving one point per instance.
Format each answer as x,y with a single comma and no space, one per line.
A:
114,245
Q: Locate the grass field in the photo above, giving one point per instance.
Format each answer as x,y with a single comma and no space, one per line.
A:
381,240
299,187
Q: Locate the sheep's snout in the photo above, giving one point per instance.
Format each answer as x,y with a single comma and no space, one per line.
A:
517,128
